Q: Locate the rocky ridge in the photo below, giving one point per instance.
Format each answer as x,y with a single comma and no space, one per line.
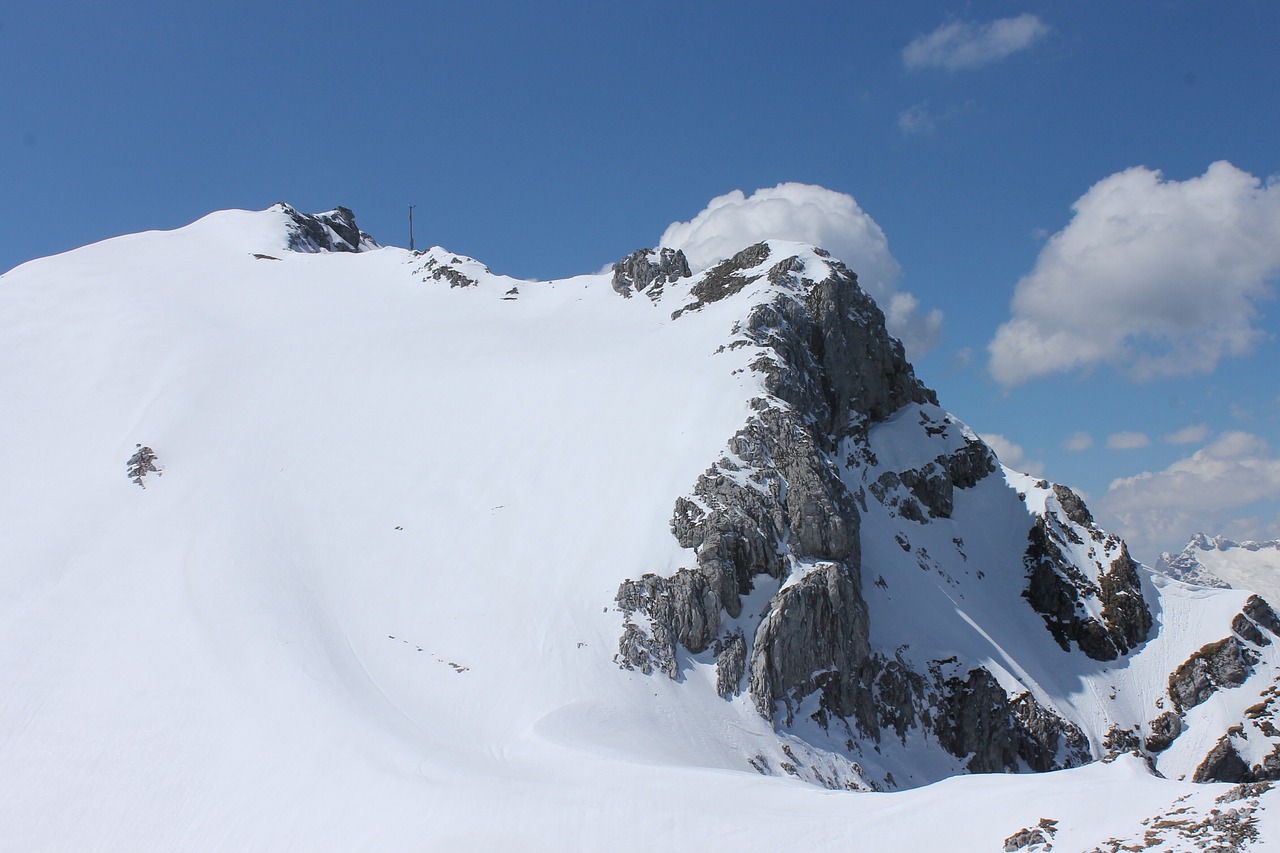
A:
782,513
334,231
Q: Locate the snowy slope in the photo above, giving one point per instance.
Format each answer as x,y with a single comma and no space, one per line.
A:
369,600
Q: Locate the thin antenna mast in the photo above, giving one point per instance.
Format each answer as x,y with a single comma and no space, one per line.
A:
411,207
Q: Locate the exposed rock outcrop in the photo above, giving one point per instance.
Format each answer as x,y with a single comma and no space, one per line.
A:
979,720
1223,764
1164,730
934,485
334,231
813,640
775,503
843,432
1058,586
648,270
1226,663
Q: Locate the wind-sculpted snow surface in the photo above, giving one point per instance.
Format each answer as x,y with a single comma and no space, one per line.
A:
444,559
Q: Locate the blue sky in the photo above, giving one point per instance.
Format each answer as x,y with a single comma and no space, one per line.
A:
550,139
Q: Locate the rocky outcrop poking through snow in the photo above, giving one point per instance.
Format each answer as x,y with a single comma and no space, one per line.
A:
1095,602
1226,663
334,231
844,483
775,504
1229,664
934,485
814,640
648,271
978,720
778,505
140,464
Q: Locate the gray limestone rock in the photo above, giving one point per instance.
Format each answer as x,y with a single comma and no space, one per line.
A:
726,278
1124,610
1258,610
934,485
140,464
683,609
1246,630
1072,506
648,270
334,231
977,719
730,665
1164,730
775,505
1226,663
813,640
1223,764
1057,588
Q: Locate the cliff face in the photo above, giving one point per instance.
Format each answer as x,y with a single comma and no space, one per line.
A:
849,499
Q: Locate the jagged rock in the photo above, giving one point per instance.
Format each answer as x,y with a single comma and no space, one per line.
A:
1124,610
731,665
970,464
867,370
1039,834
648,271
455,277
1164,730
1257,609
726,278
899,695
1246,630
1056,587
815,638
1046,740
1269,769
1225,663
334,231
638,651
140,464
1121,741
1223,764
934,485
775,504
683,609
978,720
1072,506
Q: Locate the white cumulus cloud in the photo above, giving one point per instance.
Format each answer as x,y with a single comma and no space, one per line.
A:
1078,441
1193,434
1012,455
1160,510
1128,440
1153,277
810,214
964,44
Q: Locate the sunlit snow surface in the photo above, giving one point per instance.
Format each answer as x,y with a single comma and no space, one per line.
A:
368,604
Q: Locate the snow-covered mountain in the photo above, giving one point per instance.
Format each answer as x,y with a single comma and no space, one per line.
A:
313,544
1221,562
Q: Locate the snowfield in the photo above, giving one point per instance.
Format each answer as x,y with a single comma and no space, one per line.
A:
367,603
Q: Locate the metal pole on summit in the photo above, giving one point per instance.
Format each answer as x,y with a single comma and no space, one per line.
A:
411,207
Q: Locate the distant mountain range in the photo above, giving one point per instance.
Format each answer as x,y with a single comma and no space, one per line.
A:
1220,562
316,544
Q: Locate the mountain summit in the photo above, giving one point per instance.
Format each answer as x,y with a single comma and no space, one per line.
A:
320,544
